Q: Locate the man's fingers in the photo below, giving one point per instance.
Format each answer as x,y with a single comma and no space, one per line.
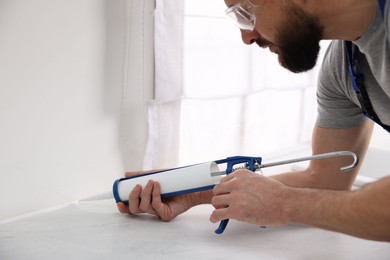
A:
146,198
131,174
221,201
159,207
225,186
122,207
228,177
219,214
156,198
134,200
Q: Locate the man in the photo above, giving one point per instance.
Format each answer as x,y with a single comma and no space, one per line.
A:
320,195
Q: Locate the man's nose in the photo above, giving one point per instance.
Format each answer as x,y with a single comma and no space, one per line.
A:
249,37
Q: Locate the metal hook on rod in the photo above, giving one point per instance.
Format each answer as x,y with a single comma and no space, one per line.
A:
318,156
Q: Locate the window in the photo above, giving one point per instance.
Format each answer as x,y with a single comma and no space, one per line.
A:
217,97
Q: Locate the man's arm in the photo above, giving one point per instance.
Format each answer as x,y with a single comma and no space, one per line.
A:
263,201
363,213
318,197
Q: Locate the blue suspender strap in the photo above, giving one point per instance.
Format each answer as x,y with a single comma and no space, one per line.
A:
358,81
382,6
351,55
358,84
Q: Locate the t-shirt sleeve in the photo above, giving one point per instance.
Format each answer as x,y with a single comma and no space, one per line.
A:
335,104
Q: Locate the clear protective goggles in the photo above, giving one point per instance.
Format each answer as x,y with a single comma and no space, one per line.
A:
242,15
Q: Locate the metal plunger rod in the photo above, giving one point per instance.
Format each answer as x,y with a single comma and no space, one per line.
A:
319,156
309,158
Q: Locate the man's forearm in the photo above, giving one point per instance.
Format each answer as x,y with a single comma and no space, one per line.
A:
363,213
202,197
308,179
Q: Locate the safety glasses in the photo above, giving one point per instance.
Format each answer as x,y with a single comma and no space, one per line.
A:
242,15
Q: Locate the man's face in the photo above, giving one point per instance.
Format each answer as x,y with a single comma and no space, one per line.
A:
288,31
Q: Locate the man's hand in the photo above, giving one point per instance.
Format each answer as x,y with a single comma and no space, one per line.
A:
252,198
148,200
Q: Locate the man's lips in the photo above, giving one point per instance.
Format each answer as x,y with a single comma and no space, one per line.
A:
266,44
263,43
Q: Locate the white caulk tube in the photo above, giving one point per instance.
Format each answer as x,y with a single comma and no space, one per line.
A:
173,182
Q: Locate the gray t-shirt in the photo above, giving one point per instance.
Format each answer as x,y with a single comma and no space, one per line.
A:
338,106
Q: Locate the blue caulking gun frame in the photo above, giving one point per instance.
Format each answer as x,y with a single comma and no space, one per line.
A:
251,163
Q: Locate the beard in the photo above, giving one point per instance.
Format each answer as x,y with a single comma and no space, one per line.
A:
298,39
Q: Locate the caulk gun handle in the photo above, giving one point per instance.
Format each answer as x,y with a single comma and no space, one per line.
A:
231,161
222,226
224,222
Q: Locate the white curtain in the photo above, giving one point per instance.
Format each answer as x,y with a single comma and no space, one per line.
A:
217,97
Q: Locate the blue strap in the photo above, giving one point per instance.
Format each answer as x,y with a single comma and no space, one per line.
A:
382,4
358,85
352,55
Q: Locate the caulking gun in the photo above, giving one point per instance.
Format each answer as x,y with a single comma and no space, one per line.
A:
204,176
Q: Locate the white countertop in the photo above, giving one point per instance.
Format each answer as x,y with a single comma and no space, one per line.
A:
95,230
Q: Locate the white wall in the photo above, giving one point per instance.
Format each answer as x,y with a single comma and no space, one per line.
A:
66,99
380,138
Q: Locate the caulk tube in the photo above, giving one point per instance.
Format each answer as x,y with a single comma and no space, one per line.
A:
173,182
